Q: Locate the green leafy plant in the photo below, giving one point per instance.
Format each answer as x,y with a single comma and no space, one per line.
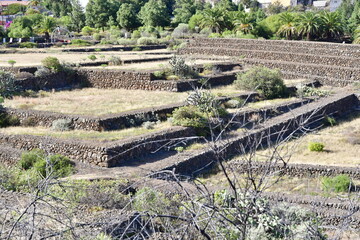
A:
80,42
339,183
316,147
7,84
330,121
137,49
28,45
92,57
52,63
115,61
179,149
11,62
305,91
189,116
267,82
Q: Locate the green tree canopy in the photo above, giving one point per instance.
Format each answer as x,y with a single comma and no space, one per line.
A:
308,25
127,17
185,9
154,13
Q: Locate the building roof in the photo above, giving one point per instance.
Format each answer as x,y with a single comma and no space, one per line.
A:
6,3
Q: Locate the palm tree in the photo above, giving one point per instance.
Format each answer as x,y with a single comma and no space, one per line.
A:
357,35
244,22
331,24
308,24
47,26
213,18
287,29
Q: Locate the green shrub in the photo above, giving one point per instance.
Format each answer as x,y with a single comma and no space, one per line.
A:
137,49
115,61
159,74
215,35
11,62
88,31
181,69
97,36
305,91
189,116
80,42
52,63
147,41
61,125
92,57
179,149
28,45
58,165
126,42
267,82
28,159
330,121
7,84
316,147
340,183
7,120
29,122
234,103
136,34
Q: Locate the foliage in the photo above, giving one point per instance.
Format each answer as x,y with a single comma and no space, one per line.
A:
52,63
61,125
14,8
184,10
308,25
7,120
57,165
316,147
87,31
234,103
181,31
77,17
11,62
154,13
339,183
127,17
98,13
115,61
147,41
80,42
189,116
214,19
42,72
7,84
149,125
305,91
287,28
28,45
92,57
180,68
357,36
266,81
330,121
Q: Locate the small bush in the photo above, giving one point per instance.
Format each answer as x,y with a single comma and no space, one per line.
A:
159,74
115,61
52,63
7,84
88,31
80,42
147,41
28,45
305,91
126,42
29,122
234,103
97,36
189,116
266,81
316,147
58,165
181,31
28,159
149,125
340,183
23,75
42,72
11,62
179,149
330,121
137,49
61,125
136,34
7,120
181,69
92,57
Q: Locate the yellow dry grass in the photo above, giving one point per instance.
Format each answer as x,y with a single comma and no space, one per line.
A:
92,101
105,136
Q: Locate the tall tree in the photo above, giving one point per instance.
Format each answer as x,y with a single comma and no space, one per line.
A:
244,22
308,25
97,13
127,17
77,16
184,10
48,25
58,7
287,28
331,24
214,19
154,13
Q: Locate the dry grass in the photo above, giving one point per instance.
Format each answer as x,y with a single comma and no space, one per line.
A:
33,59
105,136
338,150
92,101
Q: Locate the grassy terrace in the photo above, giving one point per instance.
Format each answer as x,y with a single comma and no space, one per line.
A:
106,136
97,102
342,146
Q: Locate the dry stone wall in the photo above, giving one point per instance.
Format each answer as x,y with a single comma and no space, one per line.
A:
273,129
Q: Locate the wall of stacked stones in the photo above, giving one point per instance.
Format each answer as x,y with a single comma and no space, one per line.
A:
76,150
101,154
274,129
291,56
331,47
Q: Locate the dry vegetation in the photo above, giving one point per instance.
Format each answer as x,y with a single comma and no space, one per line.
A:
105,136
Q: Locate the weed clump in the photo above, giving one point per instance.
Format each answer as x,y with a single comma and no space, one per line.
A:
340,183
316,147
